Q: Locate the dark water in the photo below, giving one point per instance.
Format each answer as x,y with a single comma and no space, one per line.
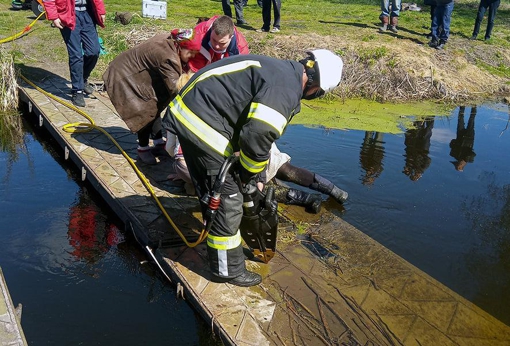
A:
64,258
81,282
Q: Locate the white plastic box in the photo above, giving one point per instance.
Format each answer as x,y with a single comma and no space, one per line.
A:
154,9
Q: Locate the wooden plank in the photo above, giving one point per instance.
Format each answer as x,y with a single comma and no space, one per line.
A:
11,332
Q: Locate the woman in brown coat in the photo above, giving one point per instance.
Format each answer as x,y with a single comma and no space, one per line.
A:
141,82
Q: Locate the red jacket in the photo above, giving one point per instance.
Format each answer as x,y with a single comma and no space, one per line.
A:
238,45
64,9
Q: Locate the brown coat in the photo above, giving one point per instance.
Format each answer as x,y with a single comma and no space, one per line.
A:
141,81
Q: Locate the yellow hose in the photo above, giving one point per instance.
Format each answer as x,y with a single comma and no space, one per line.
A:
86,127
27,28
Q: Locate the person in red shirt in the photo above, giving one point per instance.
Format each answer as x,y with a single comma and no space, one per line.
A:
220,39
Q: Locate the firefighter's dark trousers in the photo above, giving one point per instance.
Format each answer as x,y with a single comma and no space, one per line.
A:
224,248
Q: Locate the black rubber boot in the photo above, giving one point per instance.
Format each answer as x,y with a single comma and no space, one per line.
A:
325,186
311,201
246,279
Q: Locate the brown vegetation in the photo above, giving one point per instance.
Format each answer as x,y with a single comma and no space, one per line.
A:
409,71
404,72
8,82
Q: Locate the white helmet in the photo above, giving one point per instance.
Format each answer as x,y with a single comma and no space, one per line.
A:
323,68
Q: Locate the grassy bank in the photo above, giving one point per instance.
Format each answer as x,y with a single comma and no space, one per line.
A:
381,67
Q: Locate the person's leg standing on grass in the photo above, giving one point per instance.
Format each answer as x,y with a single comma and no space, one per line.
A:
238,6
482,7
266,16
493,8
435,26
444,16
395,12
385,15
447,18
277,6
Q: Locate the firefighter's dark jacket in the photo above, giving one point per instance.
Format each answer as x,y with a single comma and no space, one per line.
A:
241,103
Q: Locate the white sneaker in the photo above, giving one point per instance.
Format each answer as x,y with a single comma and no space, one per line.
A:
273,30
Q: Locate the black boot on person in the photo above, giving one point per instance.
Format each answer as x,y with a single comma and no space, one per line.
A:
88,89
311,201
433,43
441,44
323,185
246,279
78,99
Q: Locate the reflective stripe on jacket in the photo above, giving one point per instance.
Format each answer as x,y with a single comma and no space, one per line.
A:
238,104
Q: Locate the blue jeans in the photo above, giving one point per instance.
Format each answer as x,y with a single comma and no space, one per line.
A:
441,19
484,5
83,49
395,8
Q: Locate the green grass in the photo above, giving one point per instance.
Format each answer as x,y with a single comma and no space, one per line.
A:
353,21
323,17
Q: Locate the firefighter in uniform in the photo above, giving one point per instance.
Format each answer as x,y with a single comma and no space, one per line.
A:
241,104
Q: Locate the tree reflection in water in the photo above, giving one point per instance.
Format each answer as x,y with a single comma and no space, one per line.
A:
489,260
12,139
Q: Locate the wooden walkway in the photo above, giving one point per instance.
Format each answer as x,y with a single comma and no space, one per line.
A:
329,284
11,332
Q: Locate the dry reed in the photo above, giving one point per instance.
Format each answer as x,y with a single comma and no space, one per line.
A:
11,131
8,82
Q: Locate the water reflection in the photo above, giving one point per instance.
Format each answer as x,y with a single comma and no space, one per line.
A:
462,146
417,146
89,233
12,139
371,156
58,254
489,214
